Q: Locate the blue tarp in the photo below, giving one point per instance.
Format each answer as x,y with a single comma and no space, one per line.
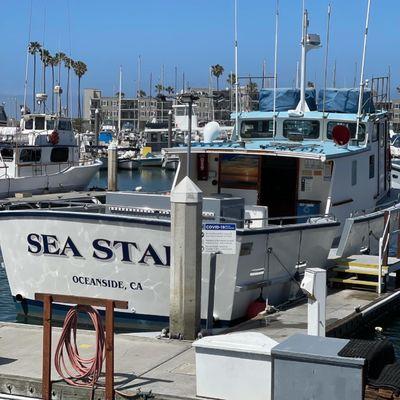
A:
105,137
345,101
286,99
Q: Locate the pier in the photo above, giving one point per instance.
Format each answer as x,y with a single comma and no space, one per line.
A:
147,365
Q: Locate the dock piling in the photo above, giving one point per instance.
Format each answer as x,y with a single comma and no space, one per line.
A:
112,167
185,281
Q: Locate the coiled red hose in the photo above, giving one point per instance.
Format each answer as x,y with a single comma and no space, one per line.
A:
79,371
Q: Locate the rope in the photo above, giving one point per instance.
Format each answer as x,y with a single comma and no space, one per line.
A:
83,372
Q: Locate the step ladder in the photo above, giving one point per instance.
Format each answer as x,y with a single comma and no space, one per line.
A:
362,270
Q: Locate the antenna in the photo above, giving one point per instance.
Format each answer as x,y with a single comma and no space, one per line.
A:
334,74
236,133
27,57
326,57
355,74
119,100
275,68
361,94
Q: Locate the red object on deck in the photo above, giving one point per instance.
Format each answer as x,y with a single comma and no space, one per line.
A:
255,307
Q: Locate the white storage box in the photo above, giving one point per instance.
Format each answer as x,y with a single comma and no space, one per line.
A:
234,366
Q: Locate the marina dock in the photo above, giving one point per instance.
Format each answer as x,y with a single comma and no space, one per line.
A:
146,365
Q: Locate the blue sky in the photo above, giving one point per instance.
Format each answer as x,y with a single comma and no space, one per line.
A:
192,35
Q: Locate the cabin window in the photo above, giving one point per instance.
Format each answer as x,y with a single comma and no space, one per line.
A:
352,127
7,154
256,129
59,154
371,166
354,172
50,124
239,171
29,124
382,134
30,155
64,125
39,123
308,129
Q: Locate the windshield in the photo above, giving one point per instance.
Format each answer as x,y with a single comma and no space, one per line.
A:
308,129
255,129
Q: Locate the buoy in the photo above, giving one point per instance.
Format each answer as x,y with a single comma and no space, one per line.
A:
255,307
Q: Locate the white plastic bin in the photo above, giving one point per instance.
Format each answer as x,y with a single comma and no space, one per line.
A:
234,366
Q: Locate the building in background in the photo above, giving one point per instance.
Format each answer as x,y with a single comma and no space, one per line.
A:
212,105
135,112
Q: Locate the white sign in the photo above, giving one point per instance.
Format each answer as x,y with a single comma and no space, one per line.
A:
219,238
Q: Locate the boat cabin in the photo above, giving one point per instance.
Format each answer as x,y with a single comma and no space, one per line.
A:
43,145
297,165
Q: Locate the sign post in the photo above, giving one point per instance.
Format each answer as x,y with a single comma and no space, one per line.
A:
216,239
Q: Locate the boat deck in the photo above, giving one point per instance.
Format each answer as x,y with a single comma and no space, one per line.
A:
167,368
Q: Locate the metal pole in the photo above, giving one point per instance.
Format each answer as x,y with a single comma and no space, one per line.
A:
275,67
169,129
237,130
112,167
360,97
96,126
189,143
211,291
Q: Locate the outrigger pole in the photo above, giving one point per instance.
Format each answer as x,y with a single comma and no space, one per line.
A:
326,58
275,68
361,94
236,76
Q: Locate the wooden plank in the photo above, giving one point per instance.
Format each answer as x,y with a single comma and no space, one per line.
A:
89,301
359,271
110,350
46,366
353,281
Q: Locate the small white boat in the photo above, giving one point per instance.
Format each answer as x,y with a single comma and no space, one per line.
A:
128,164
43,156
150,160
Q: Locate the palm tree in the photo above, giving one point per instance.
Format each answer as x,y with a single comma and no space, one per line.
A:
52,62
122,95
169,89
68,63
60,58
80,69
231,81
217,70
45,57
251,88
159,88
141,93
34,48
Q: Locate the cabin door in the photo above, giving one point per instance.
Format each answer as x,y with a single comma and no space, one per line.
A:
278,185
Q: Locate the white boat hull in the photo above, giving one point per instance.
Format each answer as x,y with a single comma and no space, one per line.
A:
71,178
83,254
127,164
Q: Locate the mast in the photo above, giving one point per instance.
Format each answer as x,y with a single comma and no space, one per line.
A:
138,94
361,94
326,58
302,104
119,100
236,134
275,68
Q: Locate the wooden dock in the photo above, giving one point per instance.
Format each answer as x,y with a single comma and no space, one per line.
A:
164,367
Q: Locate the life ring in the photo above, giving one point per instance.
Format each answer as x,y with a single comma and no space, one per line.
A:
54,138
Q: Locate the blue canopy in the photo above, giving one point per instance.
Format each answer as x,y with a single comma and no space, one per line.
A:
345,101
105,137
286,99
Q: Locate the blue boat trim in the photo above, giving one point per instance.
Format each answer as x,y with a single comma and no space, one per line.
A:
123,218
